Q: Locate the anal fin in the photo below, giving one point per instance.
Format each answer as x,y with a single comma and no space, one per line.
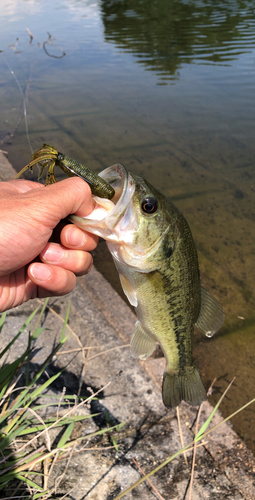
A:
142,346
211,316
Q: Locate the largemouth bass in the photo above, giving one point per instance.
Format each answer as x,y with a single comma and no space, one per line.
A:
155,255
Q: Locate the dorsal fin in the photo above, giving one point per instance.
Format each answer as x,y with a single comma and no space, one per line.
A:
211,316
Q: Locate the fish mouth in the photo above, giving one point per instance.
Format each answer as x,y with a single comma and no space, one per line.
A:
123,184
107,213
117,177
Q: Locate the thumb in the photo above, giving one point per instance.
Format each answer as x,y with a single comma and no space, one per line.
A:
50,204
72,195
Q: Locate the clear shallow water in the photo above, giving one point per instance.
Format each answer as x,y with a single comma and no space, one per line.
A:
169,92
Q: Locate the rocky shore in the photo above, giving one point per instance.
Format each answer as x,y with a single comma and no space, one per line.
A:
224,468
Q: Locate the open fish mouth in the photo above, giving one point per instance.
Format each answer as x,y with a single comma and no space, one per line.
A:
117,176
107,213
121,181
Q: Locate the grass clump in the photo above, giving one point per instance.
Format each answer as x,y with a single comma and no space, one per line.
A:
27,455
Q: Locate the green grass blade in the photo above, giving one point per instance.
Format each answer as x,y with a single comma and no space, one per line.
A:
115,444
28,481
46,362
42,387
20,332
7,372
119,426
205,425
3,485
66,435
88,436
61,423
26,397
2,320
9,438
62,339
37,331
40,495
229,417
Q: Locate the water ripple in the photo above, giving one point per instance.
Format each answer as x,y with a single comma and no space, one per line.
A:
163,35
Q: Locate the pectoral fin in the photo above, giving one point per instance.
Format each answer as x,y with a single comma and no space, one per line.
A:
128,290
211,316
142,346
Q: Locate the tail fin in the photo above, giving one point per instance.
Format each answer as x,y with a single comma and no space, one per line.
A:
185,385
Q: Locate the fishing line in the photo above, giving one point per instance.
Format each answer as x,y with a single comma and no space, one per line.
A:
18,84
24,103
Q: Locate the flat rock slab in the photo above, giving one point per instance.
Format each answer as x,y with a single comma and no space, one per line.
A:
102,323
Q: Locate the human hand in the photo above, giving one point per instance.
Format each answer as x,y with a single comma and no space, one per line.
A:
31,265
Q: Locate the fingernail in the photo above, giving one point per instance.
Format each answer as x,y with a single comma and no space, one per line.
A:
40,272
75,237
53,253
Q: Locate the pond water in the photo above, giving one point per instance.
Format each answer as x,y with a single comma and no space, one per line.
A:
167,89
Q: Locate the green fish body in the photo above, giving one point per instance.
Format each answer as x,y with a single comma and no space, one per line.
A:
155,255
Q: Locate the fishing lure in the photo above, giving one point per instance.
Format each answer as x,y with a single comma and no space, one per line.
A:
49,157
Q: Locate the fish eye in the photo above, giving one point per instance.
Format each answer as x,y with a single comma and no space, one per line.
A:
149,205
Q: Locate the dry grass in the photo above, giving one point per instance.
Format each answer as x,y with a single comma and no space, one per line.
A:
27,454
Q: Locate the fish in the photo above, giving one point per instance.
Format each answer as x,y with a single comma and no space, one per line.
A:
156,258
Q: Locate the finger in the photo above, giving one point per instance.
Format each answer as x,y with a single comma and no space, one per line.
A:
23,185
66,197
69,192
53,279
49,204
77,261
15,289
73,237
73,194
